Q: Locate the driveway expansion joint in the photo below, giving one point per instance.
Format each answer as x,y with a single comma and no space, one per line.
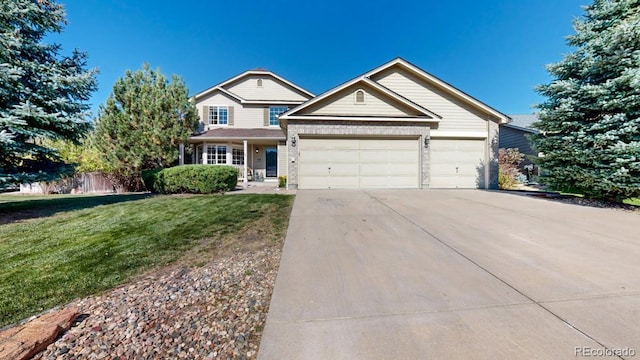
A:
409,313
591,297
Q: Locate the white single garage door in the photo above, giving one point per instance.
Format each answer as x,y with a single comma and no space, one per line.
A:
457,163
358,163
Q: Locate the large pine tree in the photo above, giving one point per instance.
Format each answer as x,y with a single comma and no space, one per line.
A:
42,94
590,121
143,122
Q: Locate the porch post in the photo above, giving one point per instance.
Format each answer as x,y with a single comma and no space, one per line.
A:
244,170
181,154
205,149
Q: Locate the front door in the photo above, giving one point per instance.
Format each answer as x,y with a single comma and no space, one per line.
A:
271,154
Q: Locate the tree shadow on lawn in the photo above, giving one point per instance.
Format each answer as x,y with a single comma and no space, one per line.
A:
19,209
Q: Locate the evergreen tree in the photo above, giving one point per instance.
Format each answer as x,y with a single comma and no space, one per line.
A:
590,121
143,122
42,94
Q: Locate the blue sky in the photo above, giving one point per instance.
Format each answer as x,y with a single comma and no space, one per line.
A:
492,50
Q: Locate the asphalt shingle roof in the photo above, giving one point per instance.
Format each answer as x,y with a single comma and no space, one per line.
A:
241,133
523,121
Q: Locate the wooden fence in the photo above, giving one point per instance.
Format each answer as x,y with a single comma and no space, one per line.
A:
83,183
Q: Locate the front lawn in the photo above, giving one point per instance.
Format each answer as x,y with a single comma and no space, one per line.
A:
54,248
635,202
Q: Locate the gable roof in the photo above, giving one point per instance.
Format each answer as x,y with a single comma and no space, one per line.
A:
366,77
365,81
221,86
523,122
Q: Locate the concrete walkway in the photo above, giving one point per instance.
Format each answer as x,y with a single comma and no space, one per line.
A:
454,275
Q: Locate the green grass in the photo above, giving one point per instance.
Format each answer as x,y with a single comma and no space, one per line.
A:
55,249
634,202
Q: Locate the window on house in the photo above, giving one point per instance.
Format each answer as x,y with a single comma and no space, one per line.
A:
259,82
216,154
359,97
218,115
238,157
274,112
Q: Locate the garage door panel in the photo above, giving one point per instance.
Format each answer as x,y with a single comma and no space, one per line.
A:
380,182
342,169
456,163
400,169
315,157
373,156
359,163
314,169
405,157
343,157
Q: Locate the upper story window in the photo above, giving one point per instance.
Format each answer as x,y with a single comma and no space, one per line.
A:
259,82
218,115
274,112
359,97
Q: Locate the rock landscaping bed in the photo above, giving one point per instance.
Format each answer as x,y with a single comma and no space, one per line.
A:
597,203
539,192
216,311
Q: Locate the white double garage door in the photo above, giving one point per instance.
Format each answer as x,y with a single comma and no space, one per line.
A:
370,163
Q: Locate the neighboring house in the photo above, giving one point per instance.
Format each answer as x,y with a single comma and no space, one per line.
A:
239,123
395,126
515,135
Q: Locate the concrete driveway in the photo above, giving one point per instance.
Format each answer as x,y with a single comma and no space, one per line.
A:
454,275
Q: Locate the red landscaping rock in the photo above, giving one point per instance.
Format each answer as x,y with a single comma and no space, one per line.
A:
25,341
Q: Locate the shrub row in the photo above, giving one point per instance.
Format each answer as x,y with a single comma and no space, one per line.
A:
193,179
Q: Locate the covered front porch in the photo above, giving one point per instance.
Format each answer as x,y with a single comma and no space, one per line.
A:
258,154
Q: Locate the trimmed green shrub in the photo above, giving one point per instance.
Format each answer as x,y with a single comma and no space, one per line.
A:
193,179
152,179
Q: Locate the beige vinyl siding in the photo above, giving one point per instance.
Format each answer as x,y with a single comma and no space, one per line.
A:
271,89
282,158
456,114
248,117
344,104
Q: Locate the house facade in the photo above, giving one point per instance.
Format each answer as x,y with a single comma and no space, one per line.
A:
239,124
395,126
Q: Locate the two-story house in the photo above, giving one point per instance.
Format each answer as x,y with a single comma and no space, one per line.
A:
239,123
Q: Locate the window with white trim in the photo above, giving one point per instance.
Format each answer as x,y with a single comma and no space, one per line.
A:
216,154
237,156
259,82
359,97
274,112
218,115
